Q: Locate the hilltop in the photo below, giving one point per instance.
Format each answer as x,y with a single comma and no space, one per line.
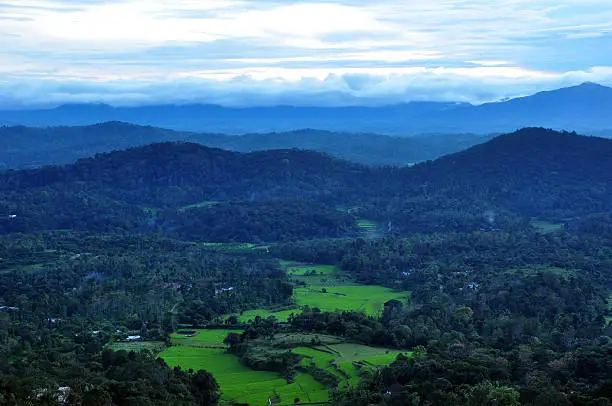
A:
28,147
532,172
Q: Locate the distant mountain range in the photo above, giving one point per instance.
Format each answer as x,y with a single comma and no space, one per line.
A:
26,147
584,108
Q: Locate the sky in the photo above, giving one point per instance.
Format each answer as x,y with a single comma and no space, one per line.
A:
272,52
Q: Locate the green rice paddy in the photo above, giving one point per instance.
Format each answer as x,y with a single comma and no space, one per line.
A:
346,361
281,316
323,286
201,338
238,383
367,299
328,289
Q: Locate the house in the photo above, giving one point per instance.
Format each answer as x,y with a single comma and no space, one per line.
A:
134,338
224,289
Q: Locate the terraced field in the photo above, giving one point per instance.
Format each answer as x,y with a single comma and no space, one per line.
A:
238,383
346,361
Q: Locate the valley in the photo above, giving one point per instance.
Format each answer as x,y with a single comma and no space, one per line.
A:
179,274
324,287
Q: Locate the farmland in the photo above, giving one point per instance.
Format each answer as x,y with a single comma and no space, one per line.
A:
238,383
326,287
347,362
322,286
201,338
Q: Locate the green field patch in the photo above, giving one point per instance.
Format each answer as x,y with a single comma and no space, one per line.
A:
318,358
201,338
281,316
352,371
155,347
308,270
367,299
546,227
240,384
366,225
363,353
342,359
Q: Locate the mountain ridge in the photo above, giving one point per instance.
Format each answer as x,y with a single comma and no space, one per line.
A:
581,108
530,173
30,147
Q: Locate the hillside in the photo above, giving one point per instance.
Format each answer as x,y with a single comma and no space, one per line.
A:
533,172
583,108
28,147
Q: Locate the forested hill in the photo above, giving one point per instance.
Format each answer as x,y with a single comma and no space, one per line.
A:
175,174
165,187
532,171
28,147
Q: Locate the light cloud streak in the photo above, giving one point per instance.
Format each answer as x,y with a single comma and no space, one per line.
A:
302,52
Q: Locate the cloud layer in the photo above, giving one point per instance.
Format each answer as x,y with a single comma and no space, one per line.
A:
237,52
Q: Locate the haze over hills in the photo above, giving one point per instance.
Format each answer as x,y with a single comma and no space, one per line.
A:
583,108
26,147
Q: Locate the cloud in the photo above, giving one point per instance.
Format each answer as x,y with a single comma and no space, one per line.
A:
271,51
343,86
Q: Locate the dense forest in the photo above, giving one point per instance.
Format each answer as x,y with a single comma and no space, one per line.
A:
500,256
531,173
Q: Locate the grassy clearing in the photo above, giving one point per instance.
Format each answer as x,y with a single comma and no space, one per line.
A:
202,338
546,227
154,347
366,225
367,299
340,293
342,359
240,384
281,316
297,269
357,352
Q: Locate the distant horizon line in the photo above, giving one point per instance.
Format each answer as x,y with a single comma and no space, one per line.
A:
365,105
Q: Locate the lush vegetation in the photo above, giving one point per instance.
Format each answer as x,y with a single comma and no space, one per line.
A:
176,274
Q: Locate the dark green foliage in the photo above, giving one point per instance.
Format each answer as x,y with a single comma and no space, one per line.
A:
500,312
259,222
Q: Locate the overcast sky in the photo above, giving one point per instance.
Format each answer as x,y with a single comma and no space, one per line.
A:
298,52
